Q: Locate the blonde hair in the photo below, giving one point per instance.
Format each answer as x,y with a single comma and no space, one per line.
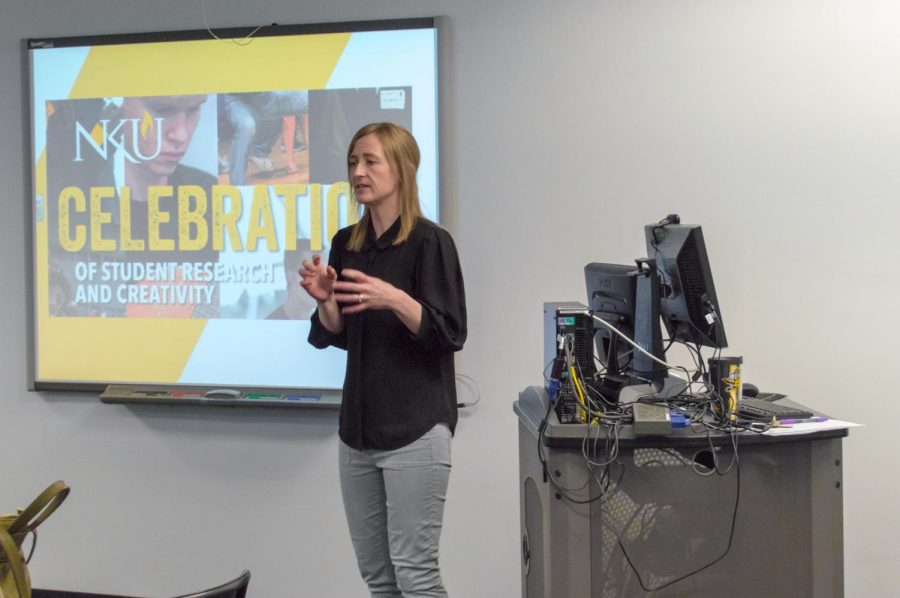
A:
402,153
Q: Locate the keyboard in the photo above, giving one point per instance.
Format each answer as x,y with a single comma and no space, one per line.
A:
760,409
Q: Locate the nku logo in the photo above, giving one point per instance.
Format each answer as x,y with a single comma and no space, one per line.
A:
101,138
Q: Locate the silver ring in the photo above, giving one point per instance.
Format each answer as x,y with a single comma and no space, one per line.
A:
359,297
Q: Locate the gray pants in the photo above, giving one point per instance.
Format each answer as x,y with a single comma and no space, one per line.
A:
394,502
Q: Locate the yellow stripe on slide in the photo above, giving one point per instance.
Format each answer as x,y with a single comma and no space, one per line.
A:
116,349
210,66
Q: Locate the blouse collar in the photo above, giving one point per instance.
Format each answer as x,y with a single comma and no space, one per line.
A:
385,240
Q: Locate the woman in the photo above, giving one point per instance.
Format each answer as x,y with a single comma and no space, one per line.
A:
392,296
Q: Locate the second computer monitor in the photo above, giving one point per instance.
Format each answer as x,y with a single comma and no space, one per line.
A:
611,292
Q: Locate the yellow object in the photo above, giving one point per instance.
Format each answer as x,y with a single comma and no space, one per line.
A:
580,393
15,581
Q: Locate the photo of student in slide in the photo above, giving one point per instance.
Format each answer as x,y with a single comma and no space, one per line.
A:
339,113
249,126
294,302
127,221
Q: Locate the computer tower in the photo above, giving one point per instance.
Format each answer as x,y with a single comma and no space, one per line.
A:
568,320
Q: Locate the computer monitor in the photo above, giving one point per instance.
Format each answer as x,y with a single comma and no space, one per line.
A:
687,303
674,284
611,293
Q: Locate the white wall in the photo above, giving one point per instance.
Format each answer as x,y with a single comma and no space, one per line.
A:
568,126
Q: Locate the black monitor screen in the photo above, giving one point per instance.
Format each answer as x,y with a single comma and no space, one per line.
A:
688,303
611,293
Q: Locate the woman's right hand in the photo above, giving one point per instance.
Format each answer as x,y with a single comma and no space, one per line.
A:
318,279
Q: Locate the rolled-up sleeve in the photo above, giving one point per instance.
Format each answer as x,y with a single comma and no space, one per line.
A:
440,290
320,337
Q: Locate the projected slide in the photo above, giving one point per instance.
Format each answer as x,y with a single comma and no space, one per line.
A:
180,184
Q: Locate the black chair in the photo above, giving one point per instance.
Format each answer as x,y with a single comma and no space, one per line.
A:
236,588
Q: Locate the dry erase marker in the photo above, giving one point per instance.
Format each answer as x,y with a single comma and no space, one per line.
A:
258,396
302,397
808,420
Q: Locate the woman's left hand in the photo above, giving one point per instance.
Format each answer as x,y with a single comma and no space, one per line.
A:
359,292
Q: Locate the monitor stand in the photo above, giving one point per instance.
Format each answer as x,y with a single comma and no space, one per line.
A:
647,329
670,387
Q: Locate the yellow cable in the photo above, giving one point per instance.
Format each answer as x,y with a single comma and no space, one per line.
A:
579,392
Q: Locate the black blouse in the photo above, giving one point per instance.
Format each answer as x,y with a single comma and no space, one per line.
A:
399,385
